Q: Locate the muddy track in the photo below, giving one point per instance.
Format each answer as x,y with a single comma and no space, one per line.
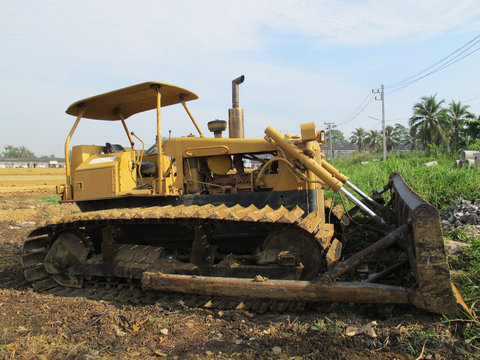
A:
129,291
132,293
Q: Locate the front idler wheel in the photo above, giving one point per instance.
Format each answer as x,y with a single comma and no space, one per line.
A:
68,250
299,244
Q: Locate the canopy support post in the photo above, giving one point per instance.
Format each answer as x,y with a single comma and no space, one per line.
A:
191,118
68,188
159,188
126,130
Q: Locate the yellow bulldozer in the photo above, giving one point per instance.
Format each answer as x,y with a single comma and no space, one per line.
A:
231,217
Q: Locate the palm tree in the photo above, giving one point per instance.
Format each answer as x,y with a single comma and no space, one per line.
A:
392,137
359,137
23,152
457,116
374,140
427,125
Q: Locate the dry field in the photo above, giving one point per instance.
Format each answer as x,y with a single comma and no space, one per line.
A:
42,326
25,179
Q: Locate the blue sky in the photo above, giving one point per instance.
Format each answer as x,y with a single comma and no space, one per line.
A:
303,61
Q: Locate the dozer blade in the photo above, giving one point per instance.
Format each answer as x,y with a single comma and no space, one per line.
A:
418,231
426,251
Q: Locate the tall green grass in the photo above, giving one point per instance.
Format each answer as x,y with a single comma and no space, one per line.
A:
440,184
466,275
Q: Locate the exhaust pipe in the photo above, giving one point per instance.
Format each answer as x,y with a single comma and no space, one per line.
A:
235,114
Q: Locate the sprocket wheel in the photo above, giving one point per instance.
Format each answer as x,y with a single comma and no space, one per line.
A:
67,250
302,245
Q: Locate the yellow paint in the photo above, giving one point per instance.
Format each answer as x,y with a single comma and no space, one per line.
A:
186,163
129,101
308,132
98,176
219,165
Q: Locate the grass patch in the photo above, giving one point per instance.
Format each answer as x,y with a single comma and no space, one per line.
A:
465,266
414,339
440,185
48,200
327,326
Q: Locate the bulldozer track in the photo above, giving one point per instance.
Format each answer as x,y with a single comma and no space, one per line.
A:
132,293
39,241
251,214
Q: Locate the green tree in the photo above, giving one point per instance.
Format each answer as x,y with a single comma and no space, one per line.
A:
392,137
457,116
337,136
473,130
427,125
51,156
18,152
359,137
403,134
374,140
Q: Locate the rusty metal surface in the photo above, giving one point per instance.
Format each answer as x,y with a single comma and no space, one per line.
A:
197,216
426,251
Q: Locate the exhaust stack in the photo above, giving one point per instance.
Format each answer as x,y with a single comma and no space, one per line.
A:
235,114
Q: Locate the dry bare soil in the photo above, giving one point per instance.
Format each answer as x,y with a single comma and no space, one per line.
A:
41,326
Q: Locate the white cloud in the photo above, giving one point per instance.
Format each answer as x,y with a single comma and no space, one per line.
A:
187,31
370,22
62,51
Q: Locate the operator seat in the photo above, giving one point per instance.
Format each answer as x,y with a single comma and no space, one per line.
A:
113,148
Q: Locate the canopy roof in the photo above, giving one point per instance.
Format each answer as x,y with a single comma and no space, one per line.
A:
129,101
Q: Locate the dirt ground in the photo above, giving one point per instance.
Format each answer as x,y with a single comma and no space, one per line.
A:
39,326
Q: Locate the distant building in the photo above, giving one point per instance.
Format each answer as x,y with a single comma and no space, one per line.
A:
347,148
403,148
32,163
339,149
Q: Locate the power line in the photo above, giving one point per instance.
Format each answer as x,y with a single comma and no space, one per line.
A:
472,96
434,71
474,100
358,110
399,83
439,65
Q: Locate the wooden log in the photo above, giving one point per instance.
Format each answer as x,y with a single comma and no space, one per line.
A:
276,289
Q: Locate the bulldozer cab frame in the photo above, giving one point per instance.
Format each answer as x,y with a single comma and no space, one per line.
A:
119,105
188,165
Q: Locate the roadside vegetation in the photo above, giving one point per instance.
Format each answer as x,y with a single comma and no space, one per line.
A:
440,185
451,127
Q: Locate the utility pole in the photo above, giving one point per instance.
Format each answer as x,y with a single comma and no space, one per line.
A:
382,97
329,124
